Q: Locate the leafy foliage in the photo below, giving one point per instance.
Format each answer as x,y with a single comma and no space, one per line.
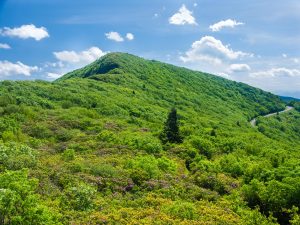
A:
18,202
87,149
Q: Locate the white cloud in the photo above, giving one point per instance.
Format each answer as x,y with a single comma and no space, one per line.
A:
195,4
182,17
58,64
8,68
130,36
236,68
54,75
295,60
71,60
276,72
115,36
211,50
224,75
79,58
284,55
4,46
224,23
25,32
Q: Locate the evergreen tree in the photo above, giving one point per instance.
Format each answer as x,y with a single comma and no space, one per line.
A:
171,130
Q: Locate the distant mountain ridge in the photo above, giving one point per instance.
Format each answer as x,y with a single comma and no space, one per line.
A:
289,99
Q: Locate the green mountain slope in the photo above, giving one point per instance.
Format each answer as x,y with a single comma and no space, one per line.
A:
85,149
170,83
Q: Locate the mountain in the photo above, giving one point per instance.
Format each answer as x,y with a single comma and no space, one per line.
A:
134,72
289,99
88,148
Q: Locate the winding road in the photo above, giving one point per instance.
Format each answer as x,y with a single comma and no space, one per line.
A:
288,108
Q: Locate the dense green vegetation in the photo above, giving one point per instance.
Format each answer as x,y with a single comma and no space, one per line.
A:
88,149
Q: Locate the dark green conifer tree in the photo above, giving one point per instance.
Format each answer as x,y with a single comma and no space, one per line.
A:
171,129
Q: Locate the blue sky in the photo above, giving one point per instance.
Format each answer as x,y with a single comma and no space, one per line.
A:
256,42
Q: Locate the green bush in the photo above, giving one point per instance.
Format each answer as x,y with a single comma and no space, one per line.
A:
15,157
210,181
204,146
68,155
8,136
183,210
148,143
166,165
75,167
19,204
143,168
107,136
40,131
6,100
103,170
79,197
230,164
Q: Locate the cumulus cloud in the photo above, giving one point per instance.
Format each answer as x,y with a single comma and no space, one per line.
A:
71,60
224,23
54,75
182,17
130,36
211,50
224,75
80,58
237,68
4,46
25,32
276,72
8,69
114,36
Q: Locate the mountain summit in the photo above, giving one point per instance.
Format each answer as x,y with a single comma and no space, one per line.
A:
106,64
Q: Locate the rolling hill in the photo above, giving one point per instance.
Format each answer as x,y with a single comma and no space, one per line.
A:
86,149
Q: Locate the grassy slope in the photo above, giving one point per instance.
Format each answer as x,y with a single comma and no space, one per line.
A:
102,132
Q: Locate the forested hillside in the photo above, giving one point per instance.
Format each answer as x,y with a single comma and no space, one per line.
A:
91,148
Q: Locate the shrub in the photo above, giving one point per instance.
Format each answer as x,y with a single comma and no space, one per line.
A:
79,197
204,146
166,165
40,131
210,181
10,109
147,164
75,167
18,202
15,157
64,134
103,170
6,100
148,167
68,155
182,210
107,136
8,136
230,164
148,143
